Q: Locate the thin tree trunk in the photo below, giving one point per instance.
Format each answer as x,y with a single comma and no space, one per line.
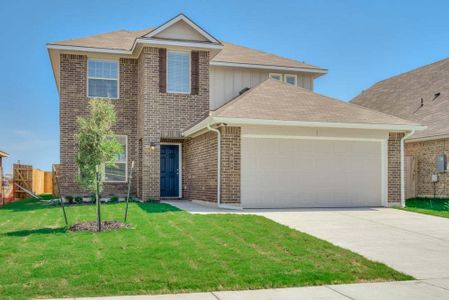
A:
130,177
97,195
60,196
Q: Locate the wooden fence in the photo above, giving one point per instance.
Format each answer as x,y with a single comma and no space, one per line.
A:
34,180
22,176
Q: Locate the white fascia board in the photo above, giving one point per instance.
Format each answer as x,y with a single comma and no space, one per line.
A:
178,43
88,49
266,67
189,22
427,138
244,121
198,127
394,127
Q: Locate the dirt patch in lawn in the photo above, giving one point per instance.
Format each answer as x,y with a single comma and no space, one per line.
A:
105,226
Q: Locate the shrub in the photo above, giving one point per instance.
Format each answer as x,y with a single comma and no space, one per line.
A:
47,196
69,199
55,202
132,199
151,200
113,199
79,199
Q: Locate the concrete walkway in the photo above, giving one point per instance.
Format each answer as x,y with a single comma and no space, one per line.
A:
404,290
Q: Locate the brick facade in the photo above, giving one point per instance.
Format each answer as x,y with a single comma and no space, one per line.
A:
164,115
230,164
74,103
426,153
199,168
149,117
394,168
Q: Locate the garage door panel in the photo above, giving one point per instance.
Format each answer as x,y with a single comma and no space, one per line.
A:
310,173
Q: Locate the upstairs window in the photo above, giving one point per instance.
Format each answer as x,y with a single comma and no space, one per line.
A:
178,72
276,76
290,79
102,77
118,172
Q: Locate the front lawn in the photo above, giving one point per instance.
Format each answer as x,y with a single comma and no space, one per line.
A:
430,206
166,251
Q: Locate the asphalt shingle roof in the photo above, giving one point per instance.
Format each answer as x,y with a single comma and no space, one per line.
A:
276,100
124,40
401,96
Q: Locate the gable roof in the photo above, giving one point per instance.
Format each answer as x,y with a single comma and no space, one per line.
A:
273,102
124,41
181,19
401,96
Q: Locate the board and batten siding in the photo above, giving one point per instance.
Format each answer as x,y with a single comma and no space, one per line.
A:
226,83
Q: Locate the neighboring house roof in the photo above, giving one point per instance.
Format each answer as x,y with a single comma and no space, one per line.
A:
401,96
3,154
273,102
124,40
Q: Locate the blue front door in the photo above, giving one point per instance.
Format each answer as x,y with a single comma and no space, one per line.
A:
169,170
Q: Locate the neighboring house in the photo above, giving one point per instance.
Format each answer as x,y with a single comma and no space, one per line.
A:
420,95
218,123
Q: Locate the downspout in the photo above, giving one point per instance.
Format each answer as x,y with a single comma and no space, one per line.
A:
219,204
406,136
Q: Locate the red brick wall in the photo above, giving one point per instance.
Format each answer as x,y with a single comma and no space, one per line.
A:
426,154
199,168
165,115
394,168
230,164
74,103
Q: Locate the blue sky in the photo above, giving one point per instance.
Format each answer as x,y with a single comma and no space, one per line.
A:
360,42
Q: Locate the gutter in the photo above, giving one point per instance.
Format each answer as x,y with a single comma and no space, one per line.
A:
219,204
402,166
211,120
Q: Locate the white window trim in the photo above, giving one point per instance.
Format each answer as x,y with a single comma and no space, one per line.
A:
126,163
118,78
276,74
291,76
190,73
179,165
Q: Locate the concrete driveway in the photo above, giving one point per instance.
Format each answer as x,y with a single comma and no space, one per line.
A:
413,243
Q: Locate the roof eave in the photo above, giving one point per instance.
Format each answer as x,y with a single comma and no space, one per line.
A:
212,120
269,67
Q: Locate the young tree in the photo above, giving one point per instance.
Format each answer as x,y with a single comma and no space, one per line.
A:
96,147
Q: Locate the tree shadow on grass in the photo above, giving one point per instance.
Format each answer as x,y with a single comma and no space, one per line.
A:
22,233
158,207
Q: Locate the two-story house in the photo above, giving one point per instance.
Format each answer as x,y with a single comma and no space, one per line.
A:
213,122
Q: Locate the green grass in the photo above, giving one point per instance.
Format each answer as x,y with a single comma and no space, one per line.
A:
429,206
166,251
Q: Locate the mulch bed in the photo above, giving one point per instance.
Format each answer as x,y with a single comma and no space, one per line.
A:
105,226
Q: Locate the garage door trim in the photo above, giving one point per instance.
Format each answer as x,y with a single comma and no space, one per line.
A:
383,143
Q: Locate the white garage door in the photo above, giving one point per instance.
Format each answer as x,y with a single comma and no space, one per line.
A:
279,173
